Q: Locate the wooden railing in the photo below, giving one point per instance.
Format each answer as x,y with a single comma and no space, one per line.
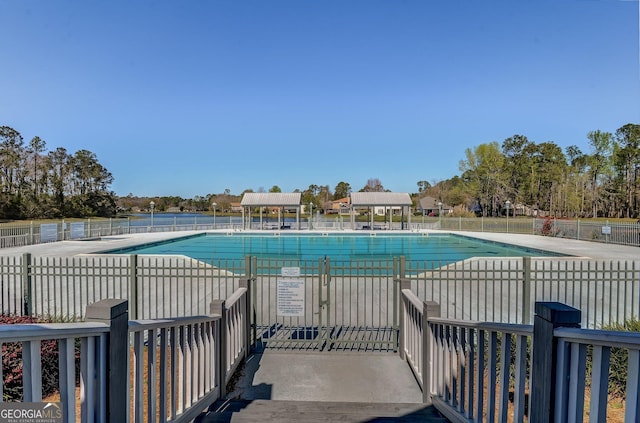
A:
236,330
174,367
173,370
482,371
573,345
92,338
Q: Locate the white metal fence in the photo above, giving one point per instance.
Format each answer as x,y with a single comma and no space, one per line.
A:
156,286
20,234
598,231
486,289
505,289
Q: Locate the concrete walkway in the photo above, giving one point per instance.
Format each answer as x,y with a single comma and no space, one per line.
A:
327,376
570,247
278,411
298,386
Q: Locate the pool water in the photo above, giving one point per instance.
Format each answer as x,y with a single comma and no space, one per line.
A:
443,248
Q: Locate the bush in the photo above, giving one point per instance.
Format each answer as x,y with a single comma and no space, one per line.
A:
548,227
12,363
461,211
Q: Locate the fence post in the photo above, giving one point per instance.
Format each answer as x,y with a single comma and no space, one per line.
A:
429,309
526,291
133,285
218,307
549,315
247,266
248,313
402,284
114,313
27,293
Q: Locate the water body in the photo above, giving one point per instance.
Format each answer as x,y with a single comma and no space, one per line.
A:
443,248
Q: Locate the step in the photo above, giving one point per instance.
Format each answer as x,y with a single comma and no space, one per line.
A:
240,411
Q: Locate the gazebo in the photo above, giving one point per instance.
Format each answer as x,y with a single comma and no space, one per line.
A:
387,200
280,200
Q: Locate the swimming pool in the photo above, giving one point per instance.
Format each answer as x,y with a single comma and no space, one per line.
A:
441,248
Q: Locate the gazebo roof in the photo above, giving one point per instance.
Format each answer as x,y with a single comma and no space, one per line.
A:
258,199
368,199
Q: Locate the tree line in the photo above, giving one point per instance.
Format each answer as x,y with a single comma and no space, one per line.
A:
538,178
39,184
603,182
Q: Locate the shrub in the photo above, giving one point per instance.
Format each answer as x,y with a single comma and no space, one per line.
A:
12,363
461,211
547,227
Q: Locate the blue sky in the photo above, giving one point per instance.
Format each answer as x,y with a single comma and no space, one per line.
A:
194,97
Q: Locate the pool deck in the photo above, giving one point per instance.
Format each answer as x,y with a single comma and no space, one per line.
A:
558,245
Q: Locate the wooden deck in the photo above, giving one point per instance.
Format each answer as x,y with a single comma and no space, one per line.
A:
322,387
250,411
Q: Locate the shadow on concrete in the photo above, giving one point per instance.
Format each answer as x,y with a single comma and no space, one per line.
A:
229,411
427,414
241,385
239,388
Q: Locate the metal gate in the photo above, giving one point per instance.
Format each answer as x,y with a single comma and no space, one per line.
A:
320,305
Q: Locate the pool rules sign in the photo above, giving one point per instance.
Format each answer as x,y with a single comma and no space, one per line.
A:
290,293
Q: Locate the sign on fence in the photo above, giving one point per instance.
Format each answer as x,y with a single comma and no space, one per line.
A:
77,230
48,232
290,297
291,272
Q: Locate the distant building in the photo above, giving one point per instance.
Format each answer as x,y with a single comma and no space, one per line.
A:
429,206
381,211
339,206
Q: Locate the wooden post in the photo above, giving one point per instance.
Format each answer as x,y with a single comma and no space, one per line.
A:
114,312
218,308
429,309
404,284
248,313
549,315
